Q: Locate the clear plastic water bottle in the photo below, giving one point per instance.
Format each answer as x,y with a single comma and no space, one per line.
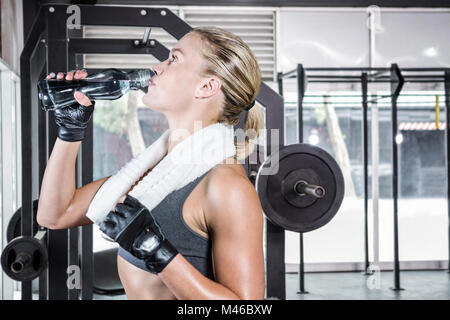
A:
109,84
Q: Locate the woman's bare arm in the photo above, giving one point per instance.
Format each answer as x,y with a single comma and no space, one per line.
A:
61,205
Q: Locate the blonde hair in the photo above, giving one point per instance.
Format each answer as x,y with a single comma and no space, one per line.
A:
230,59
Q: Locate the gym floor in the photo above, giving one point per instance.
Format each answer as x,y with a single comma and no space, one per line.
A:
418,285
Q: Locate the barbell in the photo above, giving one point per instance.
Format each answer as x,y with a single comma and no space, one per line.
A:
301,187
13,230
24,258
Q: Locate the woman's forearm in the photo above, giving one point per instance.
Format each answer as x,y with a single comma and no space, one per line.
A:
58,184
187,283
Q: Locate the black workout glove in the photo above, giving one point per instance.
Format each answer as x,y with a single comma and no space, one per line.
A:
72,121
136,230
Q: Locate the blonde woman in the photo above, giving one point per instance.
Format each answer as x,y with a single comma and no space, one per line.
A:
205,238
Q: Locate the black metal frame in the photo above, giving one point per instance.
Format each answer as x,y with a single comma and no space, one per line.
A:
397,81
397,78
49,42
365,142
31,52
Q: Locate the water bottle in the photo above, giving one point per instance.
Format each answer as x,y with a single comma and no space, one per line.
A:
109,84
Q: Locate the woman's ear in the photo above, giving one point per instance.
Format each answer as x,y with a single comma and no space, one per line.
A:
208,88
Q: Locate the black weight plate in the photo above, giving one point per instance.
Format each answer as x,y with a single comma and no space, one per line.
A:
30,247
14,227
289,215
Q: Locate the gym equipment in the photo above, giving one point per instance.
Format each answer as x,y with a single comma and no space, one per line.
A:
25,257
301,187
106,276
13,229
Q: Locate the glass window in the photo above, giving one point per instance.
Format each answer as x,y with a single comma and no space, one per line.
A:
14,140
9,149
341,39
322,38
422,199
413,39
342,239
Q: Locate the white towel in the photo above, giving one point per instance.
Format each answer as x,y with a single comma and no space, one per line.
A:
188,160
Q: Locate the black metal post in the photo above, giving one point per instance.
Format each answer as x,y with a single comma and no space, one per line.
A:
275,235
58,245
447,144
365,143
87,255
84,234
42,145
75,234
397,82
280,83
275,267
26,82
301,88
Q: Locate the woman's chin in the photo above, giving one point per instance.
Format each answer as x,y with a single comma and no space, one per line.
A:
149,103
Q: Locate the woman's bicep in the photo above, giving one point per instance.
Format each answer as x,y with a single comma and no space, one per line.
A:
239,264
75,214
236,233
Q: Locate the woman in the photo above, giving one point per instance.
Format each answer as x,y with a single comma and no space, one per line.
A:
210,76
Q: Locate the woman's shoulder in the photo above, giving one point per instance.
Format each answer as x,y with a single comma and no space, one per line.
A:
228,189
230,198
229,171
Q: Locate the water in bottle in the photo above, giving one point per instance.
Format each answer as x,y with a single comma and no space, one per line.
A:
109,84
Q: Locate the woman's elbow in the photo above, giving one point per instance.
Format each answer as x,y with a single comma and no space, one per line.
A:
46,223
51,224
252,294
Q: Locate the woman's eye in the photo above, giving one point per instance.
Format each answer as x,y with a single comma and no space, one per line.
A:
173,59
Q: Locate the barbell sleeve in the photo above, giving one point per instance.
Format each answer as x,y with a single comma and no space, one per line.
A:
303,188
21,262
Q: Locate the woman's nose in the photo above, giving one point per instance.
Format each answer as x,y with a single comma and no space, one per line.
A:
157,68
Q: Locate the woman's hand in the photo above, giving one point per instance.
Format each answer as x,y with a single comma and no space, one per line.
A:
72,120
79,74
134,228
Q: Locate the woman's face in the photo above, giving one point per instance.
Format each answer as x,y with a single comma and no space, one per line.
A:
176,80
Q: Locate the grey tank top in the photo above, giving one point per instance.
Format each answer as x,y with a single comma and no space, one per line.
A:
194,247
